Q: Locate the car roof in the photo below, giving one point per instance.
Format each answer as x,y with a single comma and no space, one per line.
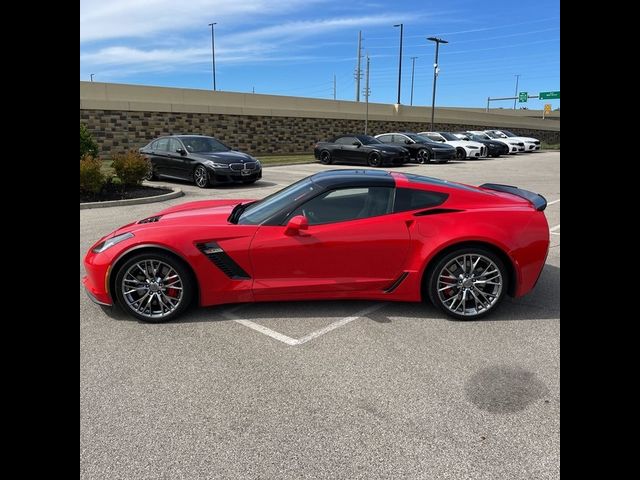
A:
353,178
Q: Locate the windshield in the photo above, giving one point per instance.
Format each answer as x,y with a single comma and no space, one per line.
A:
463,136
367,140
495,134
480,136
203,145
449,136
419,139
508,133
258,212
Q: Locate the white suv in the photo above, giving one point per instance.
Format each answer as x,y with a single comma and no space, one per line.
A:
464,148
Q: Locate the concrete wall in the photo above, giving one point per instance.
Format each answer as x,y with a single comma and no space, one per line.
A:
121,117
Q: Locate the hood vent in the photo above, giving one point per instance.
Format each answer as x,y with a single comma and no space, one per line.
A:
150,219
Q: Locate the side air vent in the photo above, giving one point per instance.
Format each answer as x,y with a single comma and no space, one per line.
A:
223,261
435,211
150,219
396,283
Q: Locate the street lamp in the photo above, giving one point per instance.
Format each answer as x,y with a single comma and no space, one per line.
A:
213,55
400,60
413,68
435,76
516,94
92,74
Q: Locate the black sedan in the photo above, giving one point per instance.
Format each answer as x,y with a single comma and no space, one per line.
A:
495,149
360,149
202,160
421,149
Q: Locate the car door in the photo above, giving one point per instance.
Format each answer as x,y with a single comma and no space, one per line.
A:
179,165
352,244
351,152
159,156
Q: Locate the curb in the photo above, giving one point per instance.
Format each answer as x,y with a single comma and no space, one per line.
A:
285,164
175,193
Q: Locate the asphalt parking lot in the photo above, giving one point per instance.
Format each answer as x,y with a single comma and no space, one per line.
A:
327,389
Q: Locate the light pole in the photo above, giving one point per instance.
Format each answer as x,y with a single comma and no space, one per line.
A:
400,60
435,76
413,67
92,74
213,55
516,94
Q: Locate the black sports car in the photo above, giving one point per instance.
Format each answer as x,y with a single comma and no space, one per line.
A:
360,149
421,149
495,149
203,160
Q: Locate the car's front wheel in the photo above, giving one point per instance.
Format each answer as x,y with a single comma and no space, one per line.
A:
423,156
325,157
201,176
461,154
374,160
154,287
468,283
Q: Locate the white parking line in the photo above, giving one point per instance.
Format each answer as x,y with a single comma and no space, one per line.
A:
552,230
551,203
299,341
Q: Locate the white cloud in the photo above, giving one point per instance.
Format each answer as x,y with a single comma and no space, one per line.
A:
102,20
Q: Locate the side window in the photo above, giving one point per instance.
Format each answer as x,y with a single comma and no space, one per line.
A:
345,140
174,145
162,145
347,204
154,146
399,139
435,137
411,199
386,138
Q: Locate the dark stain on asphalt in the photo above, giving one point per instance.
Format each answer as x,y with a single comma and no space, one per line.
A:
504,389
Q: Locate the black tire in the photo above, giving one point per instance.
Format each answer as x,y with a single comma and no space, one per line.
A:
460,154
493,297
126,299
423,156
325,157
374,160
201,176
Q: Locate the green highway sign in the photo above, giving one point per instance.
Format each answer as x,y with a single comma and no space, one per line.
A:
522,97
549,95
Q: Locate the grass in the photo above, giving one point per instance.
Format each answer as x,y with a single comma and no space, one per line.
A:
550,146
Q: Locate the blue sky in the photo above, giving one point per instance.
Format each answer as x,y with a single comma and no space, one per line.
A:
294,47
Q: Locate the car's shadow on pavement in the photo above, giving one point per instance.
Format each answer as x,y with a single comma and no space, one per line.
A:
542,303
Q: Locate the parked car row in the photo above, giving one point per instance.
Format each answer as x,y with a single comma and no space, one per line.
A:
397,148
206,161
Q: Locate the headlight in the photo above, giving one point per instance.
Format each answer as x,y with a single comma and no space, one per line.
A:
102,246
212,164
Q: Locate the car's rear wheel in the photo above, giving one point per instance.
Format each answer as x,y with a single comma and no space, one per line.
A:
201,177
154,287
423,156
461,154
325,157
374,160
468,283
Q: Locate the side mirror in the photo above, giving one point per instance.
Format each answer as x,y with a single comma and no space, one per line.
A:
297,223
408,142
181,151
357,144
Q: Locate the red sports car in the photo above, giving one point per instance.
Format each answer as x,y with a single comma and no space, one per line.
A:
340,234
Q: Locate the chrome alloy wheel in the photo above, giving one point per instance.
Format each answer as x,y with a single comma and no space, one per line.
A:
201,176
469,284
152,288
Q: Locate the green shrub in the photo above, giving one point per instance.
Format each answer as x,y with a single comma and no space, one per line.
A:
87,145
131,167
91,178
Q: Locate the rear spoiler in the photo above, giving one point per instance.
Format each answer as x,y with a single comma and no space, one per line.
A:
538,201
